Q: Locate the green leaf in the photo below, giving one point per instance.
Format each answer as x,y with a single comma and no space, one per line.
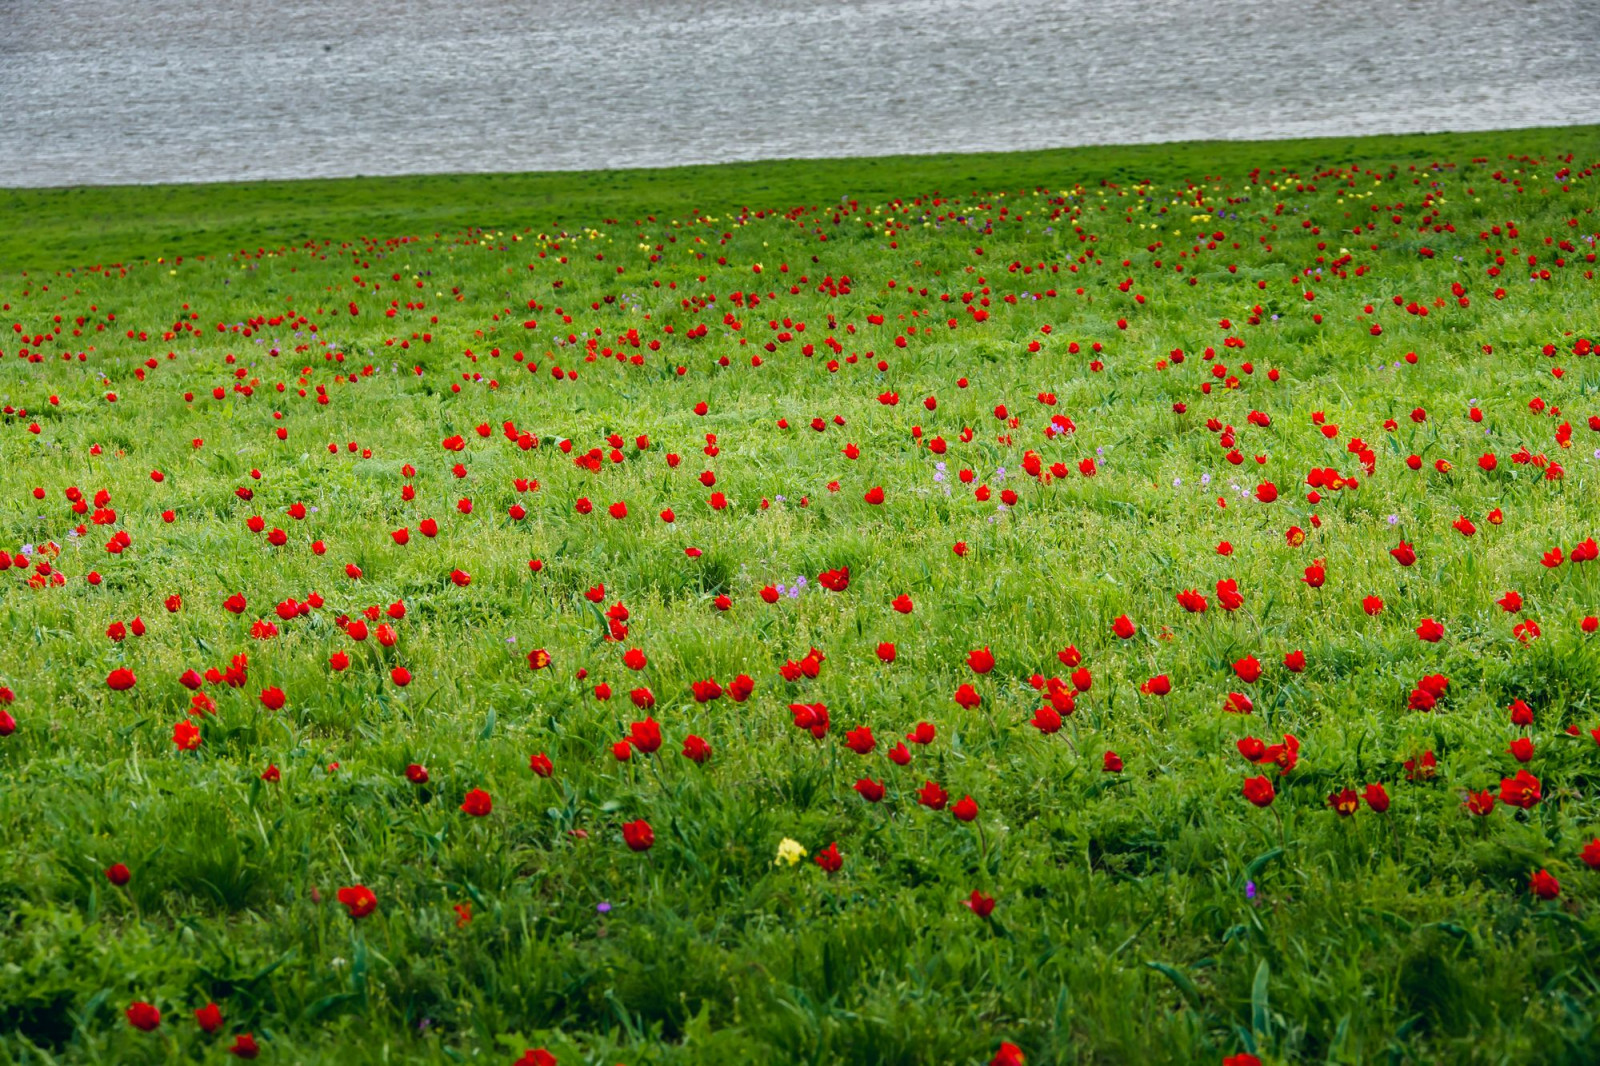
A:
1260,862
1186,986
1260,1020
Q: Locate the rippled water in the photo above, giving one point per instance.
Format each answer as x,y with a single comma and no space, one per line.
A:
103,91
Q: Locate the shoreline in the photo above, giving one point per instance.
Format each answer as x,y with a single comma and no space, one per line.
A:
63,227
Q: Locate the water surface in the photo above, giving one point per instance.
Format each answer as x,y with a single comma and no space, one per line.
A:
109,91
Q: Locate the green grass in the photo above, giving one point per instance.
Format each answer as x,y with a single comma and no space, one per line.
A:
1125,928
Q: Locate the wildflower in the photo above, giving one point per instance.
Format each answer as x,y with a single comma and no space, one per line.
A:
1259,791
638,835
358,900
143,1016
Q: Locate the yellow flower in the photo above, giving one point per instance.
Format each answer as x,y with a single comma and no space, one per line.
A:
789,853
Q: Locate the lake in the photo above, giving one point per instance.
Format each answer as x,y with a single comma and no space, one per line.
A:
114,91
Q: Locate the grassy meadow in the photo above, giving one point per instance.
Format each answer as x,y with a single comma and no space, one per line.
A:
1116,605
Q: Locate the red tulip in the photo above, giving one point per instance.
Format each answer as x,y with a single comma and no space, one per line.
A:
638,835
1259,790
209,1017
143,1016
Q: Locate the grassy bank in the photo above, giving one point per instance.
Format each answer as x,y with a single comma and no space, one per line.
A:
80,226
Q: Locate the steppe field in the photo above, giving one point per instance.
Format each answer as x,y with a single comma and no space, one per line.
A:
1119,605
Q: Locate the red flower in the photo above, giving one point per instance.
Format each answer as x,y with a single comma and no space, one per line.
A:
1591,854
121,679
1266,492
835,580
645,735
886,652
979,904
1316,574
358,900
1520,791
1544,886
540,764
1244,1058
695,749
638,835
1377,799
1259,790
1123,627
1159,685
1404,555
400,676
932,796
869,790
1294,662
536,1057
1430,631
830,859
967,696
1521,749
477,803
1228,597
272,698
244,1047
417,774
1480,803
118,874
209,1017
1046,720
924,733
1009,1054
981,661
1248,669
902,604
1345,802
965,810
874,496
860,740
1112,763
186,735
143,1016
